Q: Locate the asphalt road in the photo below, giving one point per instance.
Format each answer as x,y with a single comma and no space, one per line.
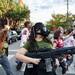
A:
12,50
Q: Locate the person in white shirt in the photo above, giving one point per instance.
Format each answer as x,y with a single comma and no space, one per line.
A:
24,37
69,42
25,33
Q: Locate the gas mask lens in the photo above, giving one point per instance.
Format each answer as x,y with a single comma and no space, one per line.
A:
45,29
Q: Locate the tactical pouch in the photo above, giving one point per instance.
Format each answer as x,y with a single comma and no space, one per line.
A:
46,65
42,65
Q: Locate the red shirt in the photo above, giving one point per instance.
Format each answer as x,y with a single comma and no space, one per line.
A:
59,43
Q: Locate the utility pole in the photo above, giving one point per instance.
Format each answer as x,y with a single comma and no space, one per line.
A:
67,9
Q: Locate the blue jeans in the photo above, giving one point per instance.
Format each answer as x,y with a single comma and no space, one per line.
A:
5,64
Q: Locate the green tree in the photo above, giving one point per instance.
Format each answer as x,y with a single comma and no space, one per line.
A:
18,13
3,5
61,20
11,10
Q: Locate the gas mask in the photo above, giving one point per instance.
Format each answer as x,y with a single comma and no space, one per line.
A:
39,28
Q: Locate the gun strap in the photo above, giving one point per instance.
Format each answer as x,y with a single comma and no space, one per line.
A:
34,46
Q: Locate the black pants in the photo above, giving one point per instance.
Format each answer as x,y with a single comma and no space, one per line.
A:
36,71
19,65
6,51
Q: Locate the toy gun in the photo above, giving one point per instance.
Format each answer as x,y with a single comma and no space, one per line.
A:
49,53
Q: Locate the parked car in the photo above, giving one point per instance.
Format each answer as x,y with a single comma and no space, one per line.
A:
12,36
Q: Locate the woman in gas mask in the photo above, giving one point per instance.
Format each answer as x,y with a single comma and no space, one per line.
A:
36,41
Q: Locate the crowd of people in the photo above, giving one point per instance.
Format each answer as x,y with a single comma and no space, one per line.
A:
34,37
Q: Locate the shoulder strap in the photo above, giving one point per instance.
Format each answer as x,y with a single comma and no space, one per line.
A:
34,46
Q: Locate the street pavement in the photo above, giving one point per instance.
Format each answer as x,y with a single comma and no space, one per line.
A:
12,51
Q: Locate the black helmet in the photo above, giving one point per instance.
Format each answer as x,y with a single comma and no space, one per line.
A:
39,28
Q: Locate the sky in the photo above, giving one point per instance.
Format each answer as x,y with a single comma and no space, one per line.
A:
41,10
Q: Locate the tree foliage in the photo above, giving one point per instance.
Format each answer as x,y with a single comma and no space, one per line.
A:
11,9
4,6
60,20
18,13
